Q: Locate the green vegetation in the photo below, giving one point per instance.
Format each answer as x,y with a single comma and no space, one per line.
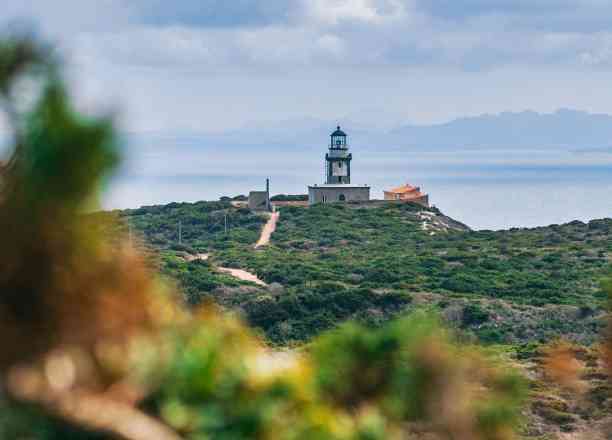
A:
358,384
289,198
202,225
95,345
334,262
205,227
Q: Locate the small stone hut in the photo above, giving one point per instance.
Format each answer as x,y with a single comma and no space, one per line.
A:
260,200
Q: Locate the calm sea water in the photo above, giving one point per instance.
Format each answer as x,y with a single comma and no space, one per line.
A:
486,190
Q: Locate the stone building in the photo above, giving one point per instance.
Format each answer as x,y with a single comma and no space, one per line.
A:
407,193
338,186
260,200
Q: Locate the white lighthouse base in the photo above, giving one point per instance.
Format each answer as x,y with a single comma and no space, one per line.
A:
338,193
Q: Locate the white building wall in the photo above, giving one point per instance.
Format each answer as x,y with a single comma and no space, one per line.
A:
333,194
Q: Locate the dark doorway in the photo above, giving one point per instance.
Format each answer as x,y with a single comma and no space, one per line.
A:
342,198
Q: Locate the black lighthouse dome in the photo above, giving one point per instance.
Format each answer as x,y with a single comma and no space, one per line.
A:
338,132
338,139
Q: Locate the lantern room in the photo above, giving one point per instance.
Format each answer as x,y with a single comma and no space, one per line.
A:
338,139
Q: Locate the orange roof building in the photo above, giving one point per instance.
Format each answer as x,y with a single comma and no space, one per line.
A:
407,193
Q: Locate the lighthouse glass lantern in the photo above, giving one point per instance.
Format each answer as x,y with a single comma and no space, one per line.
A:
338,160
338,139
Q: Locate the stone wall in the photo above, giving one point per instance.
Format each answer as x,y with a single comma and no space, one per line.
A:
335,194
258,200
290,203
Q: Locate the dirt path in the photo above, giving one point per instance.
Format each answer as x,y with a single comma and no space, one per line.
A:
202,257
236,273
242,275
268,230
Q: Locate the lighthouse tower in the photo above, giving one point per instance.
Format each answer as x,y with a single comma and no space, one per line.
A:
338,187
338,159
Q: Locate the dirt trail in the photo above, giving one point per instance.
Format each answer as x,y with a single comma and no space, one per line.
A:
242,275
236,273
202,257
268,230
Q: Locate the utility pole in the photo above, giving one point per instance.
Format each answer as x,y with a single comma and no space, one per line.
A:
130,234
180,232
268,195
226,224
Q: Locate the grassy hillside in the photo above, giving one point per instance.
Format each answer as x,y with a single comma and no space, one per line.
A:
330,263
94,347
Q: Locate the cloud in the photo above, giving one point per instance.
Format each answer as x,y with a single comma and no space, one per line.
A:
166,47
68,17
169,60
333,12
170,48
239,34
284,46
599,53
561,15
214,13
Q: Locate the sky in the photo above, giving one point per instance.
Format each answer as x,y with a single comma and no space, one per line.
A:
182,73
215,65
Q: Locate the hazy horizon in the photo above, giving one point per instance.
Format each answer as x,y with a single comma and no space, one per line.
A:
203,86
485,190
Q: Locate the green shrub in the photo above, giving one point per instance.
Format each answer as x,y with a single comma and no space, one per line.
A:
473,314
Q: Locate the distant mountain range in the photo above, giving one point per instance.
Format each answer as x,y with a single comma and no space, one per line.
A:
563,130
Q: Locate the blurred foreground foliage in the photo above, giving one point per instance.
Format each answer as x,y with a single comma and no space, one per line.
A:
94,346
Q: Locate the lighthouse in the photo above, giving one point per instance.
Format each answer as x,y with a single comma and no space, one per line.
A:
338,186
338,159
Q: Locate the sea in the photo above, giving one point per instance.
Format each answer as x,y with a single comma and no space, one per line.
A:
484,189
